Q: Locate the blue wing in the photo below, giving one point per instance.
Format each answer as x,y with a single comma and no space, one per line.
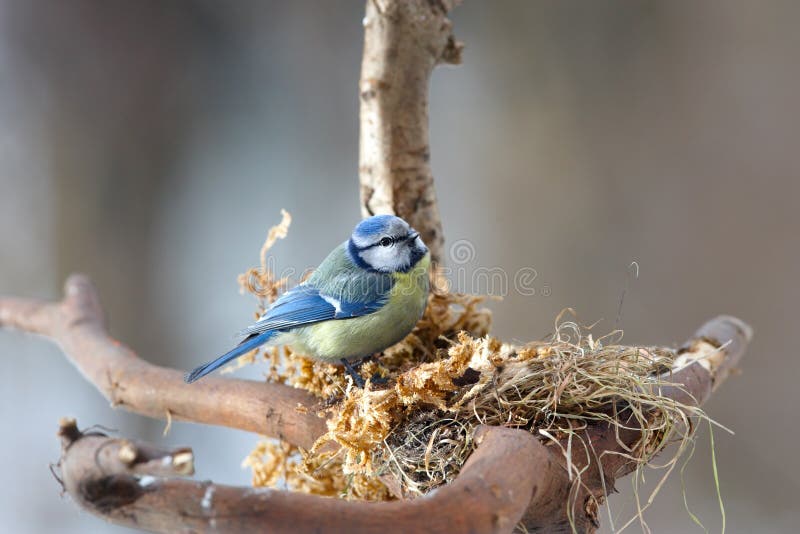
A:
307,305
299,306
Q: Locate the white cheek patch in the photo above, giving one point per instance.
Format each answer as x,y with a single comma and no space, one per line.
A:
387,259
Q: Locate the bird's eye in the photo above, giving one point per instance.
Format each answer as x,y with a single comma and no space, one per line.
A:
386,241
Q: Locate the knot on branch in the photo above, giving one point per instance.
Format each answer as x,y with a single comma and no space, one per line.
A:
451,54
81,304
120,455
105,474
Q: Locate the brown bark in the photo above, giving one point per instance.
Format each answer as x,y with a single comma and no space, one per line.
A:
403,41
76,324
489,496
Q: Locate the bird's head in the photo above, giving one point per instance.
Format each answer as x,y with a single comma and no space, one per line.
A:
387,244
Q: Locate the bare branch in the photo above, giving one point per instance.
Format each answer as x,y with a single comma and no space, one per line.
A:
403,41
489,495
76,324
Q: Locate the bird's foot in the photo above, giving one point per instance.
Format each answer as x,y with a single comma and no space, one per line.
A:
379,380
357,379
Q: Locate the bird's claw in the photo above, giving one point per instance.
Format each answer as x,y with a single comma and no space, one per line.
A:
379,380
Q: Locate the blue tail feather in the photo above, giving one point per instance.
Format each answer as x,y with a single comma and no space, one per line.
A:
242,348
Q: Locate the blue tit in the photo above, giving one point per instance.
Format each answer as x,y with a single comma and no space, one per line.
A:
366,296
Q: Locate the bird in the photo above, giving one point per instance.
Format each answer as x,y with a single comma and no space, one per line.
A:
364,297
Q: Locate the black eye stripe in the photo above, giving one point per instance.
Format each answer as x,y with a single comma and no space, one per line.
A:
394,240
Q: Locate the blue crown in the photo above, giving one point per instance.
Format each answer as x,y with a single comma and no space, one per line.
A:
375,225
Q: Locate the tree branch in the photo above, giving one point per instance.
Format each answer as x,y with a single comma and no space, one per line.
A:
403,41
489,495
77,325
511,477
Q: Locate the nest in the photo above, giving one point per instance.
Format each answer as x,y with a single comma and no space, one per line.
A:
406,437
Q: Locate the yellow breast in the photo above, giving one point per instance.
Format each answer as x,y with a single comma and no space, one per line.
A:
363,336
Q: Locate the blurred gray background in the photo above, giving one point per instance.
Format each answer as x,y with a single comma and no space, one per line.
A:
151,144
